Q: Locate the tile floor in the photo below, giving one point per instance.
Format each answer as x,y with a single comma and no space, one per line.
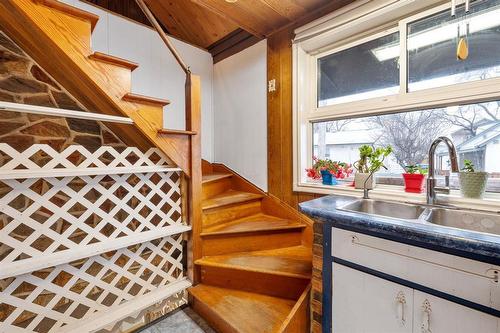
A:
180,321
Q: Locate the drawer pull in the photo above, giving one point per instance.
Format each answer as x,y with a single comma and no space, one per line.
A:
401,300
492,274
426,318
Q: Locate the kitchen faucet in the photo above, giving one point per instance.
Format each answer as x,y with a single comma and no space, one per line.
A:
432,189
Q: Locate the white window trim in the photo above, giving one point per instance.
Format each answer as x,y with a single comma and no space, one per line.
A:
306,111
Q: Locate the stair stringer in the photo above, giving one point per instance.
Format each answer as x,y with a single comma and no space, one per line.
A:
60,43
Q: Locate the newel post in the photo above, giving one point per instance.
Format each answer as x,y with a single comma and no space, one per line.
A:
193,123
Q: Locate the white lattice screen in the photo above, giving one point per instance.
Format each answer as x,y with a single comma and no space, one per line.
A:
82,234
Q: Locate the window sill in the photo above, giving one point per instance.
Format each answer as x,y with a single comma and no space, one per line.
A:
490,202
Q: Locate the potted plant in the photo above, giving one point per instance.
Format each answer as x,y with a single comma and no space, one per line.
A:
329,171
370,161
472,182
414,179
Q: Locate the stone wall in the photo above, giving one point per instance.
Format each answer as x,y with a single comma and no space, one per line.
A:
23,81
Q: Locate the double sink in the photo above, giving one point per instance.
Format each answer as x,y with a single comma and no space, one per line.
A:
448,217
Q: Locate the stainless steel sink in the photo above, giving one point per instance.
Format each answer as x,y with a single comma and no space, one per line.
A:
464,219
385,208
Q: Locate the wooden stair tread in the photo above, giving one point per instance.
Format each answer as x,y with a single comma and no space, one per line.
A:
114,60
214,177
72,11
242,311
259,222
175,131
292,261
136,98
229,198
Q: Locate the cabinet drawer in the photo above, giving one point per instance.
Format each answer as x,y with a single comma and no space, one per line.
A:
468,279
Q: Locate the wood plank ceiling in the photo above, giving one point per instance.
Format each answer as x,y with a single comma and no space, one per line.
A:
221,27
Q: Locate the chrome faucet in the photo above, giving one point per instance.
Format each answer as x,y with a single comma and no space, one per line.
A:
365,188
432,189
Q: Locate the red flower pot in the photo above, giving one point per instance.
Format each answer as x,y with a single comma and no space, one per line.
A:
414,182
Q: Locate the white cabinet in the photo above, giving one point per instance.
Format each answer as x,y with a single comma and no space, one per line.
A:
436,315
363,303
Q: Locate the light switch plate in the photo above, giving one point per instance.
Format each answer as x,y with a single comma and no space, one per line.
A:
271,85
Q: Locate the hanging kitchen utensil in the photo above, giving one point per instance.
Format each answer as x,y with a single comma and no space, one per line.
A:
463,44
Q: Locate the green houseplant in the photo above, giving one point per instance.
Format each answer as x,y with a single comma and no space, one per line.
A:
370,161
414,178
472,182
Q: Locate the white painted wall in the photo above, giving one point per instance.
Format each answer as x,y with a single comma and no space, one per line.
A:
240,103
158,74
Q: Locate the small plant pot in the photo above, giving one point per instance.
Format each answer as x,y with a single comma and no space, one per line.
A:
328,178
360,178
473,184
414,182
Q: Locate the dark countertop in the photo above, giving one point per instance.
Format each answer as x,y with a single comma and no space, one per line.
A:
469,244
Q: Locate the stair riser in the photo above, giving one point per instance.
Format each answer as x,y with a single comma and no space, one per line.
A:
256,282
120,76
224,244
230,213
213,319
215,187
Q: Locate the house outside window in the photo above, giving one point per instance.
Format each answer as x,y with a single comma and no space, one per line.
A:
386,72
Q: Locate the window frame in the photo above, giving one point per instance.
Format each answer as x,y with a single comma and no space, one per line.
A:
306,110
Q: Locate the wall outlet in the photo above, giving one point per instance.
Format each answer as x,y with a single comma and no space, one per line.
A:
271,85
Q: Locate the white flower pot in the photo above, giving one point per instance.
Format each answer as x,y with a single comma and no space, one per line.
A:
473,184
360,178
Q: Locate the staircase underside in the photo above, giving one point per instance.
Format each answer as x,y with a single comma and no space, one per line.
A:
58,37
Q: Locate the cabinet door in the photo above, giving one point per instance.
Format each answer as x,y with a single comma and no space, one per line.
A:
437,315
362,303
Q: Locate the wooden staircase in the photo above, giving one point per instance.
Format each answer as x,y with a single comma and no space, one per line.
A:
255,266
251,253
58,37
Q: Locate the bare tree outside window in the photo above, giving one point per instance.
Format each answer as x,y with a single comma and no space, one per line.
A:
410,134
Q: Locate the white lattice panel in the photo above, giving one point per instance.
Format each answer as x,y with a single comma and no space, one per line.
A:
46,300
44,157
74,244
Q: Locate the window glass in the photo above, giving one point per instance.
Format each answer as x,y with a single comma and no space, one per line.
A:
475,130
361,72
432,46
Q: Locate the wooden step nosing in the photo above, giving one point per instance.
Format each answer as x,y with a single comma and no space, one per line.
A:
221,177
262,230
113,60
136,98
72,11
204,262
176,132
257,197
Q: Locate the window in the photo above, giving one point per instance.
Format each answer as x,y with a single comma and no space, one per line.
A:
386,72
432,45
474,128
341,79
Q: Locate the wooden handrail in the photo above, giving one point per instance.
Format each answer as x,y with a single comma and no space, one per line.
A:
145,9
192,184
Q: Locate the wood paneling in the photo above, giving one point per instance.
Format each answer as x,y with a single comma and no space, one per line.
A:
279,106
191,22
262,17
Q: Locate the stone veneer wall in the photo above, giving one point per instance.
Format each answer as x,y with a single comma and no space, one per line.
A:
23,81
317,279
